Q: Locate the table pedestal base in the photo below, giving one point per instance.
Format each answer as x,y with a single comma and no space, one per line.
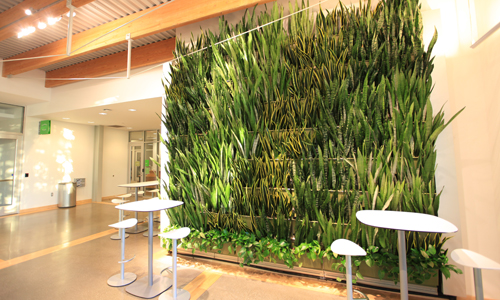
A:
137,228
116,236
155,233
116,280
181,295
141,288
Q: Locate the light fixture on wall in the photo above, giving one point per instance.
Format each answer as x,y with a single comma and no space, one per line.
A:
91,122
65,118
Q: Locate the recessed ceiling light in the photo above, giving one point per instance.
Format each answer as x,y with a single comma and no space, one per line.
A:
103,114
129,127
28,12
65,118
41,25
132,109
91,122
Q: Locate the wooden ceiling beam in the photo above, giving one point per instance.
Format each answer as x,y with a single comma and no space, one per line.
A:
17,12
15,18
172,15
147,55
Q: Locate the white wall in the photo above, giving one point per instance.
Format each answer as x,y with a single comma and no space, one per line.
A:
115,158
14,91
469,77
61,156
97,92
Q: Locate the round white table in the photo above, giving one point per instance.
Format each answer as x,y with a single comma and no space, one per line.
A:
136,185
152,285
404,221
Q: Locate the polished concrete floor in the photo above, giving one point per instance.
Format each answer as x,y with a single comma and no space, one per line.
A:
67,254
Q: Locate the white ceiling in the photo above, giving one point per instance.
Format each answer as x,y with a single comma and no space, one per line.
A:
145,117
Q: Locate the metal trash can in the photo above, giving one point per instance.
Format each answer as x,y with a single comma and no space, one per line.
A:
66,194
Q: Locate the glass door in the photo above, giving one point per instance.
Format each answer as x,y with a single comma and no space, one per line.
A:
136,163
9,173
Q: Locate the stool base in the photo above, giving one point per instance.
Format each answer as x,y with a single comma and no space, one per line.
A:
138,228
117,237
365,297
155,233
141,287
116,280
181,295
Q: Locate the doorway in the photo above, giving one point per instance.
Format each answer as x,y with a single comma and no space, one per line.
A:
144,152
10,173
136,162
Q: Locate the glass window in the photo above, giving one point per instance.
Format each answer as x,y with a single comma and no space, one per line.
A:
11,118
151,136
7,169
136,136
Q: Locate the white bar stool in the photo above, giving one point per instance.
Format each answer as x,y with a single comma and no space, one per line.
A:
477,262
123,278
123,198
153,192
174,292
348,248
118,236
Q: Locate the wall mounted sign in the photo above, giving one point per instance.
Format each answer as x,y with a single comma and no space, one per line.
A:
44,127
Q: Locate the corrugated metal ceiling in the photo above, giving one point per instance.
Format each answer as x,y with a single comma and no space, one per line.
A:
6,4
111,50
88,16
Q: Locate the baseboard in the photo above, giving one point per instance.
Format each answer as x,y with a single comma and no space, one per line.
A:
469,297
86,201
37,209
48,207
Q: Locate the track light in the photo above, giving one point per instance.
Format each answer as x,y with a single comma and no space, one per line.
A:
53,21
41,25
26,31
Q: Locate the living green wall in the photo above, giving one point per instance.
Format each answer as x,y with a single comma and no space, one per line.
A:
279,136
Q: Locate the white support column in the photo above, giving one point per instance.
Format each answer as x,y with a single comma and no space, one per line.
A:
129,54
70,27
164,153
97,172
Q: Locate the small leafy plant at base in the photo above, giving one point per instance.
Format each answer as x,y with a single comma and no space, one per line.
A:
422,264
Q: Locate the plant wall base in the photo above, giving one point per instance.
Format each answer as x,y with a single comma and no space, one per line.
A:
321,270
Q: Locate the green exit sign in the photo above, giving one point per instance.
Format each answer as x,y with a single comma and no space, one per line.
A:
44,127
